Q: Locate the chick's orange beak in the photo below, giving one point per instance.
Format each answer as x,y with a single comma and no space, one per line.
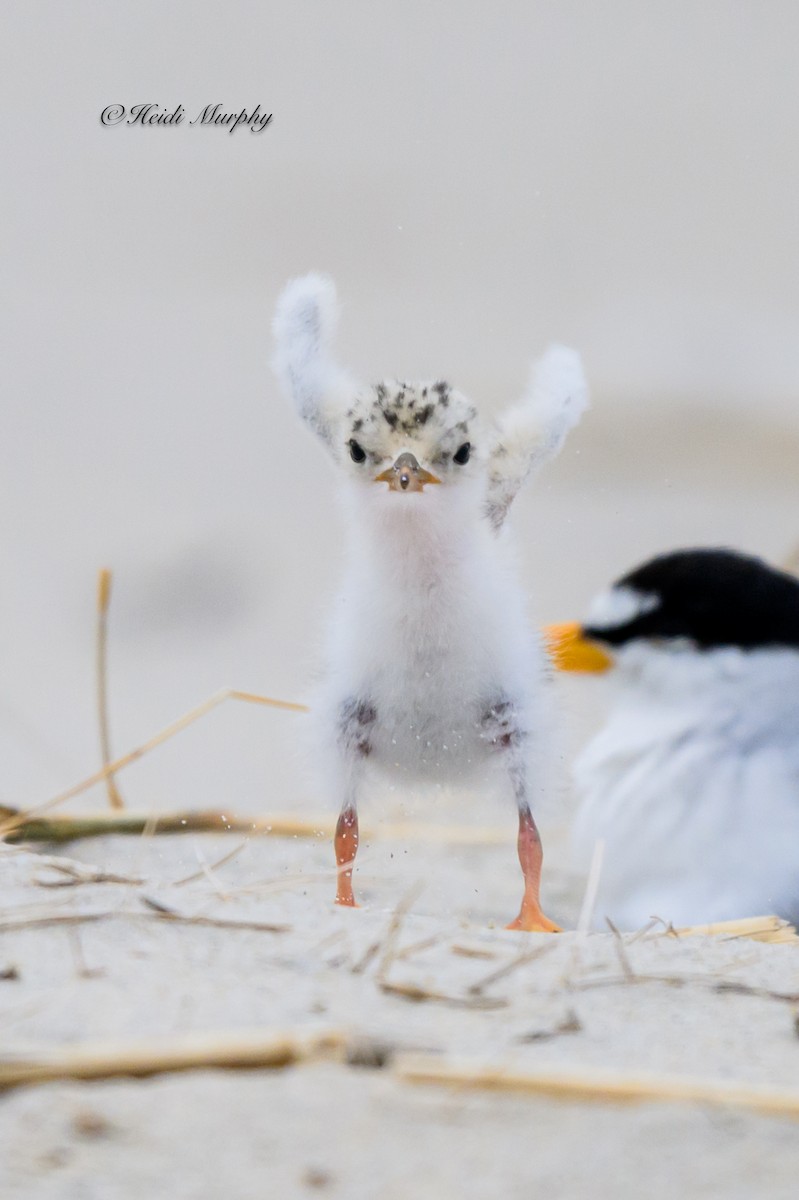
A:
406,475
570,651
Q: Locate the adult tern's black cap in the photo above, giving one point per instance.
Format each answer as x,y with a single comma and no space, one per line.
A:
712,597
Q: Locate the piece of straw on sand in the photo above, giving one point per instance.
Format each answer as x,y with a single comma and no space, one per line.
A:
169,731
241,1050
22,826
601,1087
760,929
101,646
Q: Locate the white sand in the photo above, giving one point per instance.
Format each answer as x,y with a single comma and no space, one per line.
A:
351,1132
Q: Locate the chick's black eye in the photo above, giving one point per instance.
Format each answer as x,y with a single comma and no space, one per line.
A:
357,453
461,456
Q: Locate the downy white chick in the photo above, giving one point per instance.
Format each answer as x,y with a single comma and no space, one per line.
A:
434,673
693,782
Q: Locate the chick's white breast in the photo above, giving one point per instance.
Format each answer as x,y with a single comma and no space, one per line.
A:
432,658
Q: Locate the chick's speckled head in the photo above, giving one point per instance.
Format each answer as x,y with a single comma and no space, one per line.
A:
430,421
411,435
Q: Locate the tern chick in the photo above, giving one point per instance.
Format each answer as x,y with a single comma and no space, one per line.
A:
433,672
693,782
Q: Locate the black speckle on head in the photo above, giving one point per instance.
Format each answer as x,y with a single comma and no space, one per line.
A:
423,415
443,390
356,425
391,417
381,391
712,597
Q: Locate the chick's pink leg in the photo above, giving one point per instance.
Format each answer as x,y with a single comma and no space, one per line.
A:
356,718
531,856
346,847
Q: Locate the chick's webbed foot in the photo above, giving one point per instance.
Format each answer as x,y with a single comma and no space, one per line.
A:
533,921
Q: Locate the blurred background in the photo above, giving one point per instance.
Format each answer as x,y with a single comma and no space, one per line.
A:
479,179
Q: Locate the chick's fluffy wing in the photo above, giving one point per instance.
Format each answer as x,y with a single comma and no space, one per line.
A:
533,431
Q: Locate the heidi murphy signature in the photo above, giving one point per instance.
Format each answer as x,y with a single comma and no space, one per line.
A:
212,114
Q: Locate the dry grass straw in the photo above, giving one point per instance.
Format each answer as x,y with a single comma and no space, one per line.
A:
207,869
10,824
101,643
603,1087
409,990
391,938
167,913
420,994
67,872
242,1050
155,910
526,956
20,825
759,929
